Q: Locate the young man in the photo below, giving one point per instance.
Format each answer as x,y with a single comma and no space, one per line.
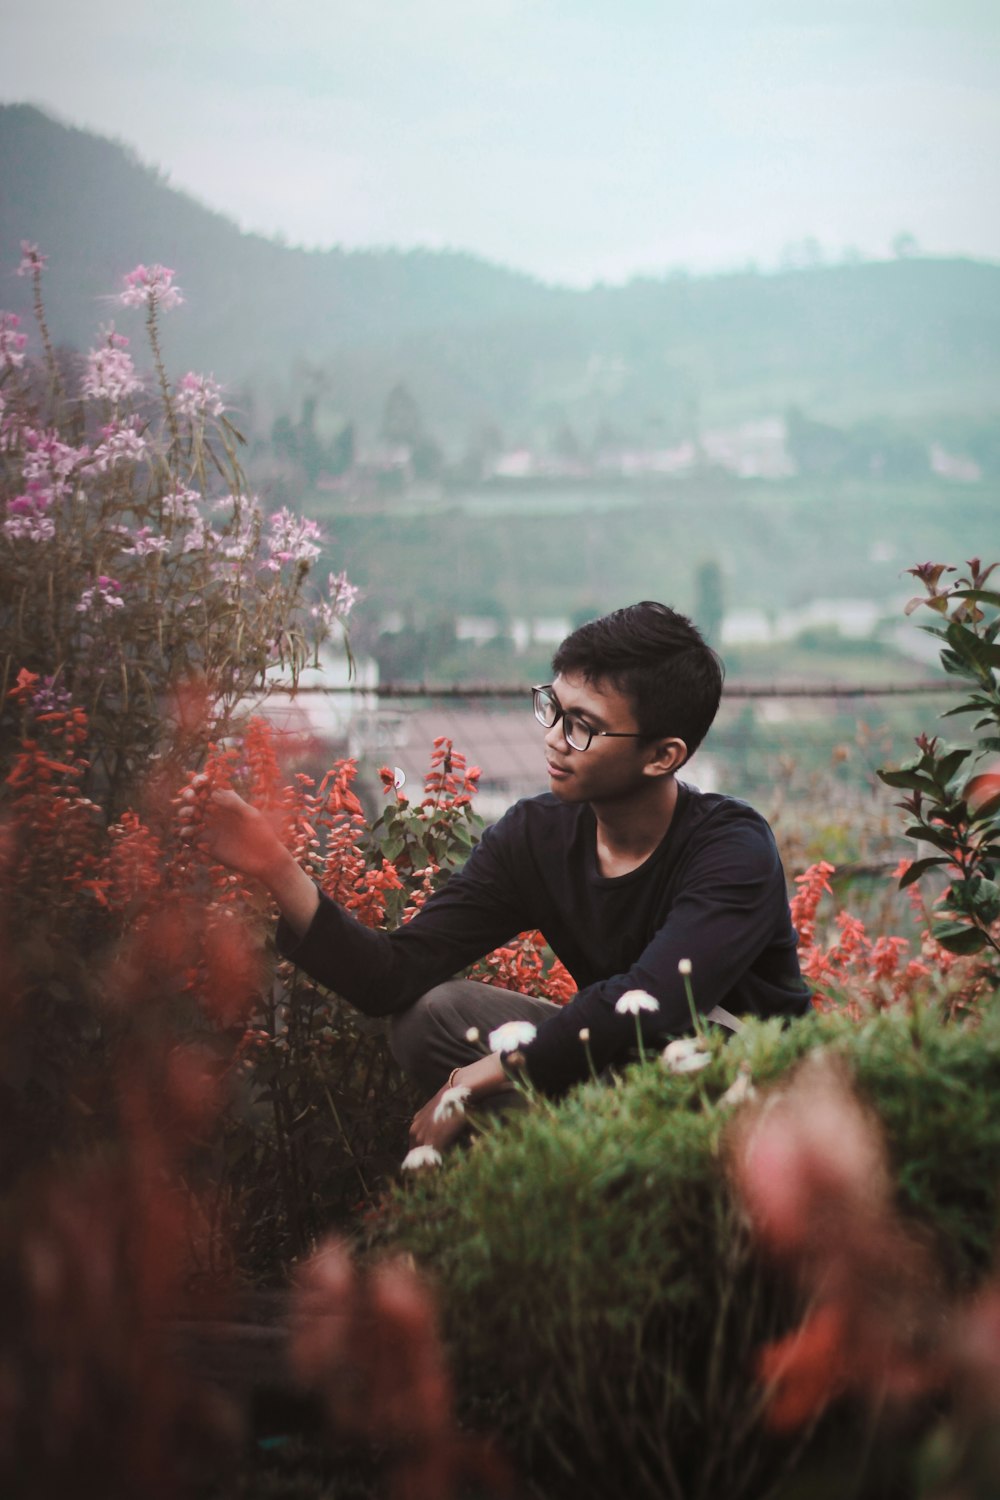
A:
634,878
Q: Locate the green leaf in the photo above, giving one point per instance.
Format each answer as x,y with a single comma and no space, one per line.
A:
909,780
958,937
979,596
986,900
931,836
919,867
949,764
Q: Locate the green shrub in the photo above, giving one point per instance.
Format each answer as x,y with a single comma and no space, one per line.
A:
599,1285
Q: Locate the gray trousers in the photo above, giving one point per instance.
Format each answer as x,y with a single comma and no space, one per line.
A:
429,1038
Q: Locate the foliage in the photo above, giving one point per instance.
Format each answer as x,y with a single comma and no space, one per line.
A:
958,814
133,562
603,1295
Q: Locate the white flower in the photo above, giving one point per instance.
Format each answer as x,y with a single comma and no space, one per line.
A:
686,1055
452,1102
585,1034
739,1091
511,1035
419,1157
684,967
633,1001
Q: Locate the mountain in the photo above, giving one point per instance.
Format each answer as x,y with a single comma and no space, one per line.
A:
913,341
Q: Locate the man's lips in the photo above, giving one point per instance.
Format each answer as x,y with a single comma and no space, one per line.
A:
557,771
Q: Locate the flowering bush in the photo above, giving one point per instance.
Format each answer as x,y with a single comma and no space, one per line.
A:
132,559
958,815
850,969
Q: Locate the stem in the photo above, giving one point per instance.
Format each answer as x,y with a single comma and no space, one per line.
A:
695,1017
43,329
154,344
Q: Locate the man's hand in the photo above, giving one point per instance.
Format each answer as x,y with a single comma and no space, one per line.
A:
233,833
245,840
436,1126
442,1120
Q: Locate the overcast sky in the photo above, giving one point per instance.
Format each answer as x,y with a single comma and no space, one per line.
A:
576,139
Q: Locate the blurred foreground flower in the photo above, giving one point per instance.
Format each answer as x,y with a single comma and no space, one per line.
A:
366,1341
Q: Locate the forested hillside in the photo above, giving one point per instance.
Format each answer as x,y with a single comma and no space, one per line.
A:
913,341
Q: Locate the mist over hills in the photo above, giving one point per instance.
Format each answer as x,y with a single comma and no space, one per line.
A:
914,341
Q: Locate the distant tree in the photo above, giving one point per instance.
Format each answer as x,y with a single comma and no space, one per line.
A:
816,447
283,439
309,448
343,450
566,444
708,609
402,422
904,245
427,459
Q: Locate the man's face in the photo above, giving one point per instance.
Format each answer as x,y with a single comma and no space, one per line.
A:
610,768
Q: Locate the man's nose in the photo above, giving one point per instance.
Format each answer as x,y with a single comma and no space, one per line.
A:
555,737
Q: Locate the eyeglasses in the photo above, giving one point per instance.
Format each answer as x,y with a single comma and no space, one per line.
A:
577,731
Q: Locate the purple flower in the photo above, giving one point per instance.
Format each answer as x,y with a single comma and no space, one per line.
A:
49,698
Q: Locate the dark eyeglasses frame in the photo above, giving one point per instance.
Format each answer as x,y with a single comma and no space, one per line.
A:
543,697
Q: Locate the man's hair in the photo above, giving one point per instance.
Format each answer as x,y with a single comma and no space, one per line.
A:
659,660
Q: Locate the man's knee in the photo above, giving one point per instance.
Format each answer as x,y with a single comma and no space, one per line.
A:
411,1030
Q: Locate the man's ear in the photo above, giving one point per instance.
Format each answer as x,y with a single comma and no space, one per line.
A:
665,757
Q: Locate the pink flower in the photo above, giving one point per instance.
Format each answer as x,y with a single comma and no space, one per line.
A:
121,443
103,598
48,463
110,374
28,518
12,343
145,541
181,505
199,396
293,540
31,259
343,597
150,286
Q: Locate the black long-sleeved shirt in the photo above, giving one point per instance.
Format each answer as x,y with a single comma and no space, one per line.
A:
712,892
